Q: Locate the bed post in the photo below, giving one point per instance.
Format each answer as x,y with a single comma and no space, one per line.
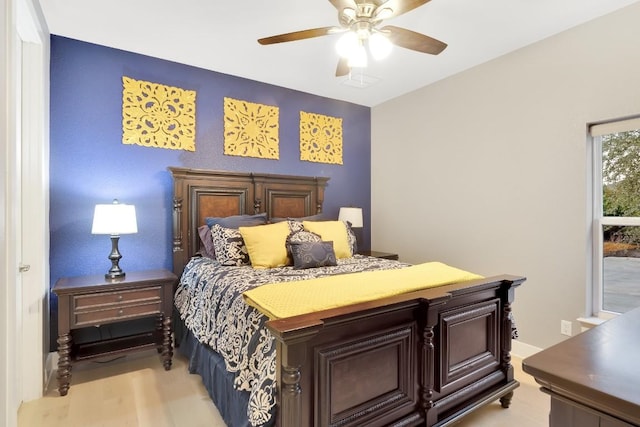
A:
258,191
428,361
179,244
294,405
178,250
292,349
321,183
177,217
293,358
508,292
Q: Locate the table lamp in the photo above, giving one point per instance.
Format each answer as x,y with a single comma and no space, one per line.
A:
114,219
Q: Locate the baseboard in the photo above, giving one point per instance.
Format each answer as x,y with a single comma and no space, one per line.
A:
50,367
523,350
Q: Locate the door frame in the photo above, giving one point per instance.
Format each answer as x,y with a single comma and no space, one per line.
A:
24,118
35,197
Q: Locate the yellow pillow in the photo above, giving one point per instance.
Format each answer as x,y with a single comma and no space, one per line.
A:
266,244
335,231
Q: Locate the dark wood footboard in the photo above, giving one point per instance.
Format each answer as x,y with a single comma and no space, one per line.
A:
423,358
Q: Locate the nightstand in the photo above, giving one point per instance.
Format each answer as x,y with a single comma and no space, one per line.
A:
377,254
93,301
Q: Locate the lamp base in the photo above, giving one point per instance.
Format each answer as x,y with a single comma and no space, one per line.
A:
115,275
115,272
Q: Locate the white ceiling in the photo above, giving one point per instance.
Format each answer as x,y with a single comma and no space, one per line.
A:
222,36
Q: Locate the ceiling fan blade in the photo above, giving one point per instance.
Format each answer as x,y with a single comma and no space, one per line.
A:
412,40
343,67
398,7
297,35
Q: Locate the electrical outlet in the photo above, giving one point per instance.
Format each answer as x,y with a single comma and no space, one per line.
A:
565,327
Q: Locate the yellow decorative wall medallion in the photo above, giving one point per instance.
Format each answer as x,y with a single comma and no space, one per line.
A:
251,130
320,138
155,115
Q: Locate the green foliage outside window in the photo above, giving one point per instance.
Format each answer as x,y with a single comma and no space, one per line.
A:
621,183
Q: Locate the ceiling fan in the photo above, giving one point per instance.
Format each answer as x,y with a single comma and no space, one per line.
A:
359,21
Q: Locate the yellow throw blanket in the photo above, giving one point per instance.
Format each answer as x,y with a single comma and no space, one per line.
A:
279,300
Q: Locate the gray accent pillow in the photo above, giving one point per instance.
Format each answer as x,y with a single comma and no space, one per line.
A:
206,248
312,254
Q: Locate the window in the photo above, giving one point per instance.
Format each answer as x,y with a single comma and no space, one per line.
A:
616,217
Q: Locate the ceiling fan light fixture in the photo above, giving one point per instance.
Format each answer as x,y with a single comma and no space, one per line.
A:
347,44
349,12
383,13
379,46
360,22
358,59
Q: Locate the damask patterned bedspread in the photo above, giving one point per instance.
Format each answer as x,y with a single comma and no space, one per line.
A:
209,300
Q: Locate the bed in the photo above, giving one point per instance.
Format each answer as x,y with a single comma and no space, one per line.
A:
423,357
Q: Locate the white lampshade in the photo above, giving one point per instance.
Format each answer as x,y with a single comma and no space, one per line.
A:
353,215
114,219
347,44
379,46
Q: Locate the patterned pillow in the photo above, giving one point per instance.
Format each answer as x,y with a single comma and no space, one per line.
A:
229,246
299,237
303,236
351,237
294,224
312,254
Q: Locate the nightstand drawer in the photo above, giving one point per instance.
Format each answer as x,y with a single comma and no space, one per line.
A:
116,313
100,300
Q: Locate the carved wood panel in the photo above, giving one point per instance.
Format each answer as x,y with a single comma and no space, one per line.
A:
295,205
469,336
210,204
362,379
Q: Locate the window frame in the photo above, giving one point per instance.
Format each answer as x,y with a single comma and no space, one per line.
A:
595,297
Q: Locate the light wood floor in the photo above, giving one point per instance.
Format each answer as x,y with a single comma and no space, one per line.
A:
137,391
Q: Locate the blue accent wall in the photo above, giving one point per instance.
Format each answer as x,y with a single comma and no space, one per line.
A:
90,165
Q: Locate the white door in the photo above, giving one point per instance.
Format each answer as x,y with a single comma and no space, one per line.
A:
34,220
33,217
23,196
11,153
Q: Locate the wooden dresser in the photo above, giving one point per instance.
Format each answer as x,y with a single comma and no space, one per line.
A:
593,378
90,301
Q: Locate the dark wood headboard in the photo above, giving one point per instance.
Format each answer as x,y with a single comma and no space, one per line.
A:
201,193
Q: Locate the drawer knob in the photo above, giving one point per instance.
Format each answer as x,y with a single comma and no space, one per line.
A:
120,312
119,297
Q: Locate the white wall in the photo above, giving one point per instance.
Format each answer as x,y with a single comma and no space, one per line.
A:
487,170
